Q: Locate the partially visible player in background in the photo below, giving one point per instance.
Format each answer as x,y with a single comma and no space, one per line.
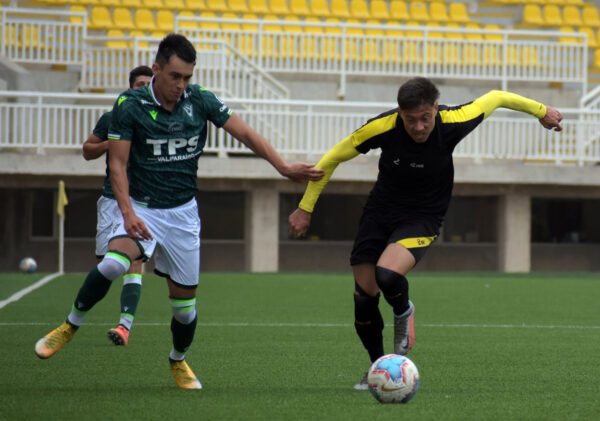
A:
108,211
408,203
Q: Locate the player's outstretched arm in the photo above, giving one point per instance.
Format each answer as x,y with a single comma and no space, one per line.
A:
117,162
239,129
94,147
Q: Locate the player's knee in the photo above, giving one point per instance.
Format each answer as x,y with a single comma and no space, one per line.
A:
114,264
184,310
391,283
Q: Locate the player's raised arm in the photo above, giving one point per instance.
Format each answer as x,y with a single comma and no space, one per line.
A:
239,129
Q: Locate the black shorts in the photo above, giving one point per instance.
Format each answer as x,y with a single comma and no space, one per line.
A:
380,227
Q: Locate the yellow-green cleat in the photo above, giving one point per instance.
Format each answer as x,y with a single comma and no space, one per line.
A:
184,376
53,341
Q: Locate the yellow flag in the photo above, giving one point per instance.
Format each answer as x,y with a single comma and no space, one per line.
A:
62,199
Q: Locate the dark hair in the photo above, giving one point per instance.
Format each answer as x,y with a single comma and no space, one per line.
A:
137,72
417,91
175,44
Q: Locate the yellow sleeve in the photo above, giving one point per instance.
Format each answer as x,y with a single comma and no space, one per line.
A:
341,152
496,99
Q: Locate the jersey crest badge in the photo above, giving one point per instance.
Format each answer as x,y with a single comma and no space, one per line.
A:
188,109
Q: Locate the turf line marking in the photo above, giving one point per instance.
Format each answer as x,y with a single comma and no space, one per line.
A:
18,295
440,325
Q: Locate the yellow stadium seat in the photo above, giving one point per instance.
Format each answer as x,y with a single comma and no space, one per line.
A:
552,15
144,20
532,15
258,7
379,9
77,19
319,8
131,3
289,45
392,50
311,51
210,25
247,24
116,33
437,12
412,52
353,45
589,16
87,2
122,18
571,16
592,40
359,9
597,59
158,34
418,11
279,7
234,25
237,6
299,7
247,43
474,36
330,52
153,4
136,35
216,5
374,47
453,35
491,53
269,41
458,13
194,5
567,39
399,10
339,9
110,3
100,18
174,4
165,21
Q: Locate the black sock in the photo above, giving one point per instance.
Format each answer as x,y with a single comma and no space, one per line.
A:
368,323
394,287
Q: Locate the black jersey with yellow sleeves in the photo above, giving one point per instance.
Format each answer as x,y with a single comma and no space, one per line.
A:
415,178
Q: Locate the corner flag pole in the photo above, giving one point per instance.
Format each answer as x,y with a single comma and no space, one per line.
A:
60,210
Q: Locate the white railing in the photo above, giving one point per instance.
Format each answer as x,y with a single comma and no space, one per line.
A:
42,121
363,50
219,67
42,36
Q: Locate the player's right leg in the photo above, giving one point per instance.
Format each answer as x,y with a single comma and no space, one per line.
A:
97,283
130,297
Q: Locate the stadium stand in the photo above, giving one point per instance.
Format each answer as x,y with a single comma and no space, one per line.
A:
359,9
299,7
339,9
399,10
379,10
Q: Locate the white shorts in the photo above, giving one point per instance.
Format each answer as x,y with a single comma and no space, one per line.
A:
107,212
175,237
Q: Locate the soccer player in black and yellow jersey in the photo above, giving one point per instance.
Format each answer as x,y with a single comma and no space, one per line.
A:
406,207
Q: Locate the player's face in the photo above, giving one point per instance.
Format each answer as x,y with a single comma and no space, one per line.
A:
171,79
419,121
141,81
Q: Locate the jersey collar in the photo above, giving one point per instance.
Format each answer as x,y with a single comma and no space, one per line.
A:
156,101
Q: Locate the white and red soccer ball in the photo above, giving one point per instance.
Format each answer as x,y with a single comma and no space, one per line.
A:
393,379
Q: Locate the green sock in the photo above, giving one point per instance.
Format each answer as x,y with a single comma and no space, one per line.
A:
94,288
130,297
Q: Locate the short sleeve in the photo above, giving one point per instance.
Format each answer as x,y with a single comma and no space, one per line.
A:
121,123
216,109
101,128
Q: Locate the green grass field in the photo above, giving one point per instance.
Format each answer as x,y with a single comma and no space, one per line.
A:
283,347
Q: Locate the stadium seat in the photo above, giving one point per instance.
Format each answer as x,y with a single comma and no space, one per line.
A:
319,8
131,3
144,20
165,20
247,41
379,9
237,6
116,33
453,35
571,16
174,4
136,35
354,42
110,3
299,7
567,39
330,52
100,18
258,7
153,4
592,40
311,50
399,11
122,18
233,26
279,7
394,37
552,15
339,9
290,47
412,53
532,15
77,19
209,25
216,5
374,47
158,34
491,53
270,46
194,5
359,9
590,16
437,12
458,13
597,59
418,11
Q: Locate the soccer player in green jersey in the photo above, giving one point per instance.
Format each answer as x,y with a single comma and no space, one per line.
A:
406,207
155,138
94,147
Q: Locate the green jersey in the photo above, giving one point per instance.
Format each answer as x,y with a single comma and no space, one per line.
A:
101,130
165,146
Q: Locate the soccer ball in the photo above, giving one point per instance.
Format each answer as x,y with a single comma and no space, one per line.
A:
28,265
393,379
